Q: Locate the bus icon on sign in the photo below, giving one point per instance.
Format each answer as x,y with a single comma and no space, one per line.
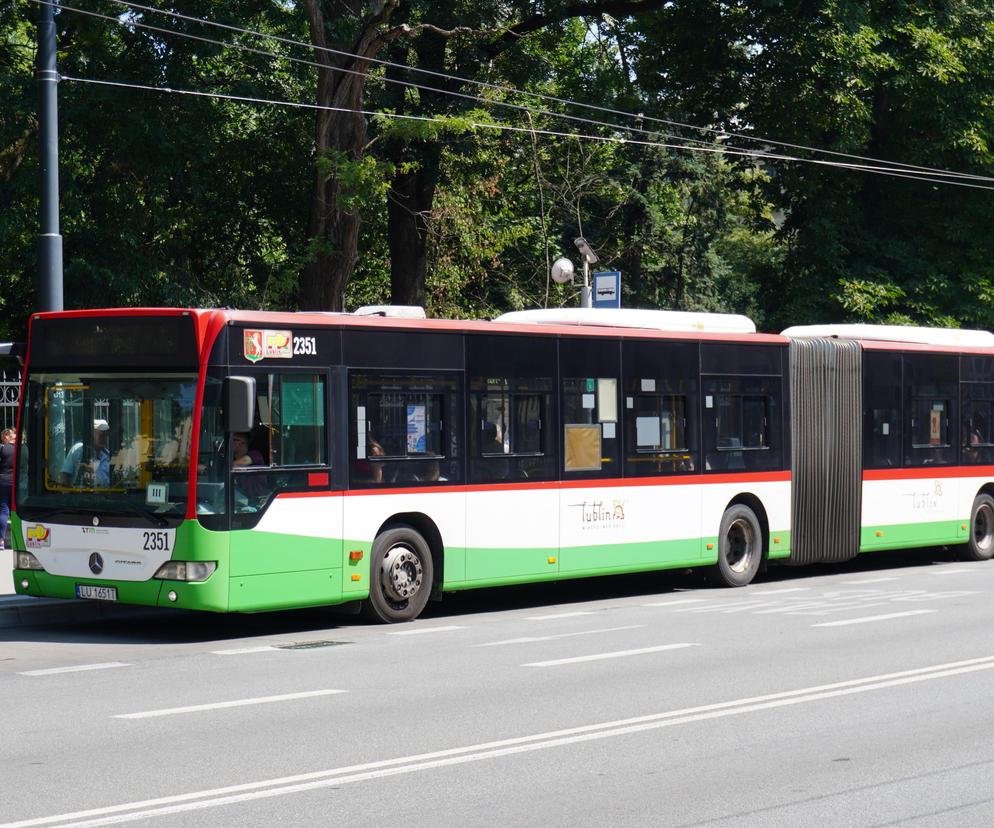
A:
607,289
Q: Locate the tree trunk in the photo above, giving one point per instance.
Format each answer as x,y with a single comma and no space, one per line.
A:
409,206
339,137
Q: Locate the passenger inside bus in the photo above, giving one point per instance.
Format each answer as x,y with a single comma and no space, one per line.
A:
368,470
241,454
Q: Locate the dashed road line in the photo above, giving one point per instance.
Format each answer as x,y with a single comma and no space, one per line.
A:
246,650
870,618
783,591
676,603
530,639
426,630
616,654
78,668
556,616
199,708
870,581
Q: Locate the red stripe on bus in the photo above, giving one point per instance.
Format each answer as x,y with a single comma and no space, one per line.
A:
928,472
675,480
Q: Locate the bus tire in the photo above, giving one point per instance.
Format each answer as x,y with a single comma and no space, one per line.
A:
740,548
980,547
400,576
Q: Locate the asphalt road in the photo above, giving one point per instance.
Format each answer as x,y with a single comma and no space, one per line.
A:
855,695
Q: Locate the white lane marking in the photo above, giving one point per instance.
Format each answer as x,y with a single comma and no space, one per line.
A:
557,615
870,581
870,618
735,603
79,668
282,786
782,591
197,708
616,654
245,650
949,571
424,630
752,605
532,638
675,603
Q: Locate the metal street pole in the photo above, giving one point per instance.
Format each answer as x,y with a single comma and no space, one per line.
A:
586,296
49,242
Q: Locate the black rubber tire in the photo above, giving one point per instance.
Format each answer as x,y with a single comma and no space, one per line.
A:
740,548
980,547
401,574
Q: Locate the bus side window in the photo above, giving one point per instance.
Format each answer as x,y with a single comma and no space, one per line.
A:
931,397
290,439
404,429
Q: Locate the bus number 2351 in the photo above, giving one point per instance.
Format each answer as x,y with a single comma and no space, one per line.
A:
305,345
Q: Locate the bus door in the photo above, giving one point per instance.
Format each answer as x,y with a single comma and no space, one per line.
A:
286,539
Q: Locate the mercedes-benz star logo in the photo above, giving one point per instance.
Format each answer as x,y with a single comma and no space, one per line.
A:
96,563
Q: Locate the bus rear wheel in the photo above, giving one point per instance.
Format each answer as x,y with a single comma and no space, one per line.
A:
400,576
980,547
740,547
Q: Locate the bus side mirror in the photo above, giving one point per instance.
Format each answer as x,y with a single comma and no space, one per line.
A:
239,404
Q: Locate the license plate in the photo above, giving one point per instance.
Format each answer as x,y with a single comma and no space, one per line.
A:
100,593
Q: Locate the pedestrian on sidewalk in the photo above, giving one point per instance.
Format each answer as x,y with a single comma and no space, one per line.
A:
7,437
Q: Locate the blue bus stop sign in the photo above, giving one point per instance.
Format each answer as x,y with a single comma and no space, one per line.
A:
607,289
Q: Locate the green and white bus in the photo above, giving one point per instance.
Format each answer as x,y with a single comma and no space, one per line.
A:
240,461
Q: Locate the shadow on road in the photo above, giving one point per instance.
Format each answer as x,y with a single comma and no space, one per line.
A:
122,625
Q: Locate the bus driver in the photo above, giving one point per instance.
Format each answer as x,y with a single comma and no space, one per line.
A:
96,472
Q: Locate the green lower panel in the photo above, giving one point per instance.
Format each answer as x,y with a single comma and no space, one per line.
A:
779,546
285,589
256,553
508,565
355,575
908,535
626,557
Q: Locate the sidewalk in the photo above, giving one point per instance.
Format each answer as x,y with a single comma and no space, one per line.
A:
28,611
7,572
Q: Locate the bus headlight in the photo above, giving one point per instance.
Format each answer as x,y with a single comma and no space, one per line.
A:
25,560
186,570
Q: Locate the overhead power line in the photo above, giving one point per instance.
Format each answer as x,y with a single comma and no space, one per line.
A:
887,171
564,101
376,78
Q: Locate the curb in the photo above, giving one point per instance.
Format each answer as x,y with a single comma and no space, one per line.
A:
29,611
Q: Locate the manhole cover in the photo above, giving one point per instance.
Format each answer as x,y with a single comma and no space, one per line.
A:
310,645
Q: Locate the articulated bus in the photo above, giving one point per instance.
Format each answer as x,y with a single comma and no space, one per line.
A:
244,461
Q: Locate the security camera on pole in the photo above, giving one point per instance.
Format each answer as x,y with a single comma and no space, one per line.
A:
563,270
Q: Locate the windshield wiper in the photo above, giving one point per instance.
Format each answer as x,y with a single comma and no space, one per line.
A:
47,512
143,511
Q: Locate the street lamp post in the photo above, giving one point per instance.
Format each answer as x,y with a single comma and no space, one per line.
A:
589,258
50,241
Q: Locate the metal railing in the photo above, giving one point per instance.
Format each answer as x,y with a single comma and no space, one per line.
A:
10,396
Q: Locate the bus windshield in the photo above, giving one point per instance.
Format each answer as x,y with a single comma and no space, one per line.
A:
106,442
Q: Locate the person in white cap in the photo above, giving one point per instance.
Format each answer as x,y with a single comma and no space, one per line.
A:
96,472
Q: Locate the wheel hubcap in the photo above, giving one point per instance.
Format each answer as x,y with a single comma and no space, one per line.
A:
402,573
983,528
740,546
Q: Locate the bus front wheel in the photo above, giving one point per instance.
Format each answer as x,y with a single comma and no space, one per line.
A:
740,547
400,576
980,547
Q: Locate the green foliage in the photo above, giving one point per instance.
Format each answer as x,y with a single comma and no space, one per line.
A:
177,200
